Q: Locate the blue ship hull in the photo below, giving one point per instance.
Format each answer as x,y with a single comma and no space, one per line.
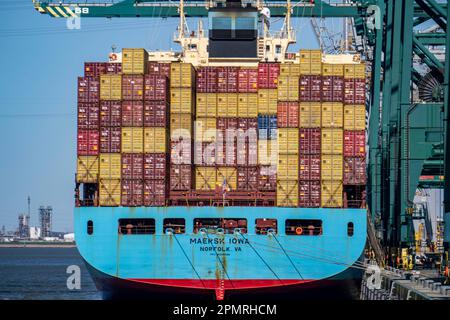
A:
196,265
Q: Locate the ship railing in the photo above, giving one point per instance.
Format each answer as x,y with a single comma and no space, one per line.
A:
136,230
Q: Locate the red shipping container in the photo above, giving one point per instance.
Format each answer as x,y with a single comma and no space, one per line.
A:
309,167
154,193
247,154
354,171
88,115
248,80
226,154
180,177
267,178
309,194
354,143
310,88
155,113
156,87
155,166
132,87
88,89
132,165
181,151
132,192
110,113
332,89
268,74
132,113
204,153
338,89
354,91
227,79
113,68
247,178
110,139
207,79
94,69
160,69
327,89
87,142
310,140
287,114
226,127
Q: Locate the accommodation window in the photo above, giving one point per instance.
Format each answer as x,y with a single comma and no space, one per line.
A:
350,229
264,225
90,227
178,225
303,227
225,225
136,226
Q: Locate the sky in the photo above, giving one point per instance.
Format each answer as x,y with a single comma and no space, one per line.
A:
40,60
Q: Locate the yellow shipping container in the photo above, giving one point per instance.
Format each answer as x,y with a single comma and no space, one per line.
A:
349,71
287,193
332,114
206,105
332,167
87,169
332,194
332,140
327,69
290,69
310,115
338,70
110,87
205,129
229,175
181,100
181,75
355,117
134,61
247,105
310,62
227,105
360,71
287,167
205,178
267,101
268,152
288,140
155,140
132,140
110,165
109,195
288,88
180,125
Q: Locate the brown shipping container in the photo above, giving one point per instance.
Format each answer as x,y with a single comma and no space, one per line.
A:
354,143
180,177
155,113
156,87
110,113
226,153
247,178
354,171
227,79
287,114
94,69
155,166
268,74
248,80
88,115
354,91
204,153
154,193
207,80
310,139
110,139
267,178
132,165
113,68
132,87
88,89
87,143
309,194
158,69
309,167
332,89
132,113
132,193
181,151
310,88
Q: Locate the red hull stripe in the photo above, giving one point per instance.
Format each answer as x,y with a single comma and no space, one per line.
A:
225,284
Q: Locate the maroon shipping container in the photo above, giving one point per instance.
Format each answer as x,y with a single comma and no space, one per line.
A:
156,87
110,139
132,165
354,143
247,154
310,88
226,151
227,79
309,194
268,75
309,167
354,171
160,69
154,193
204,153
180,177
132,87
181,151
88,89
132,113
332,89
87,142
155,166
267,178
354,91
113,68
88,115
110,113
310,140
155,113
207,79
94,69
248,80
247,178
287,114
132,192
226,127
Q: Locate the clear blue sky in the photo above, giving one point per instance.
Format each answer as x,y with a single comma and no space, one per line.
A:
40,62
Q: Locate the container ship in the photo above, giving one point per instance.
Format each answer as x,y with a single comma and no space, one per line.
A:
232,168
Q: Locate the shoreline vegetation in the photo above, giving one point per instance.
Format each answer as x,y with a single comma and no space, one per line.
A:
28,244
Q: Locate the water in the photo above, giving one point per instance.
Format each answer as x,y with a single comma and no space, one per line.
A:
40,274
